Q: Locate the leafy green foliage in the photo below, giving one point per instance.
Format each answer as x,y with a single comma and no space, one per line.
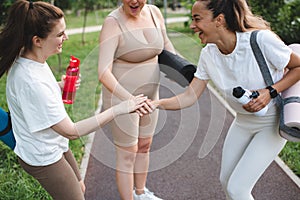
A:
4,6
284,17
291,156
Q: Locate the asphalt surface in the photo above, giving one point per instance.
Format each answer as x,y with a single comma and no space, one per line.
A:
184,162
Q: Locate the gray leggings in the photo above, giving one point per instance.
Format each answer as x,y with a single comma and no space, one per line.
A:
60,179
252,143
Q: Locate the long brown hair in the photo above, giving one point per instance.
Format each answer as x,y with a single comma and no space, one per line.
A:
25,20
238,15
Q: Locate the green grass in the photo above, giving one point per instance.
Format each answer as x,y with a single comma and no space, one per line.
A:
15,183
93,18
291,156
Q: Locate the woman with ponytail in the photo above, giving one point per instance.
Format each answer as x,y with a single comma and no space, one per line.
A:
33,32
252,142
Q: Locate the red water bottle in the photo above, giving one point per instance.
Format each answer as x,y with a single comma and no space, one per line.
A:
72,74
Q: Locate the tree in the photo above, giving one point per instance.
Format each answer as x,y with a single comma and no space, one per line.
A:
284,17
88,5
4,6
288,23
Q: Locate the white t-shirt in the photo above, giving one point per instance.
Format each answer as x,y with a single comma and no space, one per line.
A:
34,100
240,68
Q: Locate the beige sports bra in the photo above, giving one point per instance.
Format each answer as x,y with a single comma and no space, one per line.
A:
141,44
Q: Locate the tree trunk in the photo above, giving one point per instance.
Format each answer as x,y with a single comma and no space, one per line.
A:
84,24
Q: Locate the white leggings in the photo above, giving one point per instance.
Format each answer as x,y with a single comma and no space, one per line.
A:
252,143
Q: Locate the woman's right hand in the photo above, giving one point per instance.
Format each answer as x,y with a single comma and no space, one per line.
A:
147,108
131,105
153,104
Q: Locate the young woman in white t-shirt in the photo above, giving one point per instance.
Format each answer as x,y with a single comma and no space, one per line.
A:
252,142
42,128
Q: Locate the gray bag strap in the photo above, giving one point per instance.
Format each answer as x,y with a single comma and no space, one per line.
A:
260,59
269,81
263,65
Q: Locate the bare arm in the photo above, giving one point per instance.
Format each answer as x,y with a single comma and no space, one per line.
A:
183,100
292,76
109,40
167,43
72,130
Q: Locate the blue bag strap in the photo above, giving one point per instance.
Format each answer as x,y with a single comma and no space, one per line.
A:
8,126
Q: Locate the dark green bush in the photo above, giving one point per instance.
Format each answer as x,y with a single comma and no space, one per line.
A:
284,17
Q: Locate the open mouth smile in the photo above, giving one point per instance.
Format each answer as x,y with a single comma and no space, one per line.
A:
134,8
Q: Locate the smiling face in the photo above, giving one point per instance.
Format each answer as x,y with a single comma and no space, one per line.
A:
53,43
203,23
133,8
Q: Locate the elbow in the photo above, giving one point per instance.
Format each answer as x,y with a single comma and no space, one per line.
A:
189,99
100,77
72,137
67,129
189,104
104,74
186,104
103,79
101,74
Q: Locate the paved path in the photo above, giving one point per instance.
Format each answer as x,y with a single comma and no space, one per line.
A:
176,170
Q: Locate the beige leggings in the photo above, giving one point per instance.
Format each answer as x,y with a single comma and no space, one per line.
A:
60,179
251,144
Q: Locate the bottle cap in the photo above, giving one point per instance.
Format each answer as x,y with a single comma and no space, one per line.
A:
74,62
238,92
254,94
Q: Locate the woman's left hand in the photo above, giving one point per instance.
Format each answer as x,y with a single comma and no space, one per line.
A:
61,83
256,104
78,82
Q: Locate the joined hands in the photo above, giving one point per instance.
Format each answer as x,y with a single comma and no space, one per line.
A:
146,107
139,104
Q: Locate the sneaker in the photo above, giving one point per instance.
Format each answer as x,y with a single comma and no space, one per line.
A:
148,195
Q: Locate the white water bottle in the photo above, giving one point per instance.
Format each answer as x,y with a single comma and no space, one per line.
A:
244,96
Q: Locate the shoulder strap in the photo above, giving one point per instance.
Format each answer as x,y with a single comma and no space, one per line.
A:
260,59
154,16
263,65
116,14
280,102
8,126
